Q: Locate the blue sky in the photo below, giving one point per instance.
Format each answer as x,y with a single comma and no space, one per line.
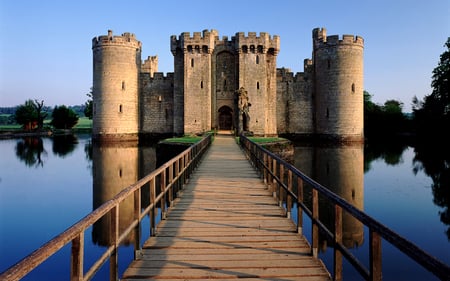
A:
45,46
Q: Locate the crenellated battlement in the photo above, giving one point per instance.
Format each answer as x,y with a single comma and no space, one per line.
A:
150,65
161,76
199,42
321,40
150,60
286,75
262,43
127,39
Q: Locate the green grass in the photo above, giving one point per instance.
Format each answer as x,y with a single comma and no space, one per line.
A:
266,140
185,139
83,123
10,127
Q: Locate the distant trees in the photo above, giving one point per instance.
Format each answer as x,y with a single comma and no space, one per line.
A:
382,120
63,117
88,109
31,114
432,115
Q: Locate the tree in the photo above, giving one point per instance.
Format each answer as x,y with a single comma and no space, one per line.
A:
440,82
88,105
31,115
386,120
38,106
26,115
63,117
432,116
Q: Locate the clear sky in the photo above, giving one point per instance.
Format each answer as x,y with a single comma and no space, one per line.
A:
45,46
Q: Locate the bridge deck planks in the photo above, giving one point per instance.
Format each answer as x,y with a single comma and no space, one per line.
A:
226,225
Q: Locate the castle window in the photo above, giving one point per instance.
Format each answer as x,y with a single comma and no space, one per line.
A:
257,59
329,64
189,48
260,49
123,85
245,49
205,49
120,108
252,49
192,62
353,88
225,84
201,84
257,85
120,173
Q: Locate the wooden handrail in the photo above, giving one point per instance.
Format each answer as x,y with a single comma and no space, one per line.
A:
75,234
267,162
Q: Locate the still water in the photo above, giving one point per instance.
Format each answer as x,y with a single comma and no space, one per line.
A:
48,184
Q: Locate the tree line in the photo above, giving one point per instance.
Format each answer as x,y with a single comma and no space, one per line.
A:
430,118
31,116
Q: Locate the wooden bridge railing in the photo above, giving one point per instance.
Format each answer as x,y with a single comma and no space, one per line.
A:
170,177
282,176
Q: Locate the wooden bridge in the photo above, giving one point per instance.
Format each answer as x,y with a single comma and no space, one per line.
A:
226,219
226,224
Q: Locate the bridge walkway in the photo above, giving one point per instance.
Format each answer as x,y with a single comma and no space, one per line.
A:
226,225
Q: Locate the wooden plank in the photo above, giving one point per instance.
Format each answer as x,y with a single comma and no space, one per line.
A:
226,225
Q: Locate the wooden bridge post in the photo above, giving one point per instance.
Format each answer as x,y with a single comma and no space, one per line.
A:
280,186
177,180
136,217
315,227
274,171
299,208
171,185
269,174
76,259
337,239
153,208
275,183
265,161
183,173
288,196
162,180
375,256
114,238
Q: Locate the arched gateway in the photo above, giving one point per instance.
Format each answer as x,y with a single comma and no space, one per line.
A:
225,118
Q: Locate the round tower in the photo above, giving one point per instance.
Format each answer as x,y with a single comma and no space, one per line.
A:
117,62
339,86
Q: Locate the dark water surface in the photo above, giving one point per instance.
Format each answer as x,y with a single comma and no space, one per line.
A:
47,185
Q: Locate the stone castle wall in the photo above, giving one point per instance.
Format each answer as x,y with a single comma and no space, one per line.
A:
117,61
295,104
325,100
339,84
156,103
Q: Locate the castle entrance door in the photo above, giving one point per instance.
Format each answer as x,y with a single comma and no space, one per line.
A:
225,118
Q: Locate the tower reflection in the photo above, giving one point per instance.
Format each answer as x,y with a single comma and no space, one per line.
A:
115,167
341,169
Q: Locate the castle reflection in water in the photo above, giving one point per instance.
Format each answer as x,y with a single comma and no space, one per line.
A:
341,169
338,167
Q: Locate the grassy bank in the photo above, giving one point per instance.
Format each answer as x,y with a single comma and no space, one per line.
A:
84,125
182,140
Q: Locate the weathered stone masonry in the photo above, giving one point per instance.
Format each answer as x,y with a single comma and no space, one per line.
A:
131,98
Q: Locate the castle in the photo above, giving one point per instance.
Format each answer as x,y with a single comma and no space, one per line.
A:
227,84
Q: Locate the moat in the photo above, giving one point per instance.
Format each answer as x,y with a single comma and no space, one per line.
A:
48,184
